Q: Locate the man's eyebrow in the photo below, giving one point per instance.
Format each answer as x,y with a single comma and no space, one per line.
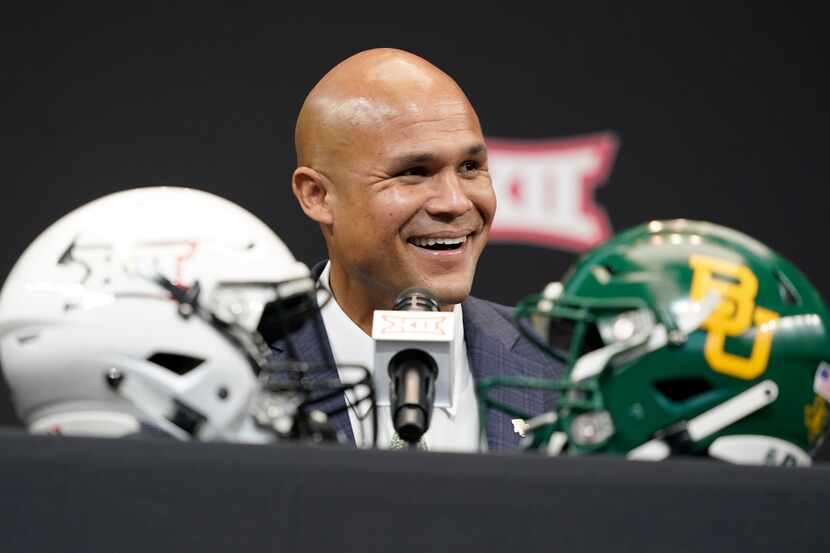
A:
476,149
414,159
420,158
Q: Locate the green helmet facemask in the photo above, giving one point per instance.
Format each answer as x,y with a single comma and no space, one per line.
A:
679,337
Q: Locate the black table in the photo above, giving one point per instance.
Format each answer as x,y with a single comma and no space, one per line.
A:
74,494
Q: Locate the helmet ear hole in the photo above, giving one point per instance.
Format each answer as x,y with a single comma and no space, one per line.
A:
175,362
786,290
678,390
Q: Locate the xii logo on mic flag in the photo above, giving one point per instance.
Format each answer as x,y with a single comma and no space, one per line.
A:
414,324
432,332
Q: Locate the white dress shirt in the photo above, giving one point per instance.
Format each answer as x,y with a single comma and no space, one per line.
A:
453,428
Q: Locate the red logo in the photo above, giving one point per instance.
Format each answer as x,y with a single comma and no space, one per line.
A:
545,190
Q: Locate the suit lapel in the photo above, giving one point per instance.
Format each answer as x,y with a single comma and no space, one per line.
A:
312,346
491,341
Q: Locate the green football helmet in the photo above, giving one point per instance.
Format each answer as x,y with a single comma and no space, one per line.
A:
679,338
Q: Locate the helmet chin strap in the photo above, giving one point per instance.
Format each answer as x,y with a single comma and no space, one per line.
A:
709,422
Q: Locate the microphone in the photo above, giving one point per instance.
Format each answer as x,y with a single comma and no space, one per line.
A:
412,341
412,374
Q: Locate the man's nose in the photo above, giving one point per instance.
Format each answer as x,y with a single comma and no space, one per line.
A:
449,196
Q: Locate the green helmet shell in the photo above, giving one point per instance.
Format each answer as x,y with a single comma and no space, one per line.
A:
758,320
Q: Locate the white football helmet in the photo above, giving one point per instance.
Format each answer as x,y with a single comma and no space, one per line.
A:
97,336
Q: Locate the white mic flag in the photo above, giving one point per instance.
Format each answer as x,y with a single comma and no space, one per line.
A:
432,332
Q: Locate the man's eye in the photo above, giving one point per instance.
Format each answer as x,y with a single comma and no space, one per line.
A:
413,172
470,165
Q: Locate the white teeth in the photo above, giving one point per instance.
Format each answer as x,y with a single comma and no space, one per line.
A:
432,241
459,240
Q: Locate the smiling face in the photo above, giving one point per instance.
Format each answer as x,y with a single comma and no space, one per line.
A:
414,208
408,199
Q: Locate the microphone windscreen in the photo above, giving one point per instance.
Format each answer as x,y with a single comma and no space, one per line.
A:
416,299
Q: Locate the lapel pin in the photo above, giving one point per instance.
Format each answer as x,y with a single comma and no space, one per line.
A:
520,427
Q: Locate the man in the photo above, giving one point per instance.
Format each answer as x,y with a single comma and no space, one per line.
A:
392,164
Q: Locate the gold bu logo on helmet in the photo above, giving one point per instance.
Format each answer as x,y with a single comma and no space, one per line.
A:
734,316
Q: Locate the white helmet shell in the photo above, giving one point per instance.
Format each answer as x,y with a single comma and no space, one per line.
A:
83,301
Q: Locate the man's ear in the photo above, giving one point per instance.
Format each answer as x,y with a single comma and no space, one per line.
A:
313,193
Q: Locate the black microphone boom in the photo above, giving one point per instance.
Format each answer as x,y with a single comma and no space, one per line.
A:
412,375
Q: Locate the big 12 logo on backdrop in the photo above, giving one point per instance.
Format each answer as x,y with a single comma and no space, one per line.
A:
545,190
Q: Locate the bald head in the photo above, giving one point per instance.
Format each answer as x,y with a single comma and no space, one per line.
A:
362,92
390,154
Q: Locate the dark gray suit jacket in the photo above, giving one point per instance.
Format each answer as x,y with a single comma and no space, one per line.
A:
495,347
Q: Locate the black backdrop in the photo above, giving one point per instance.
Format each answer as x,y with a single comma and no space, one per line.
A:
720,114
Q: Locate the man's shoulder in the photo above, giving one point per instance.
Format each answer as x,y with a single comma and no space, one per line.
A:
486,307
487,322
494,322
